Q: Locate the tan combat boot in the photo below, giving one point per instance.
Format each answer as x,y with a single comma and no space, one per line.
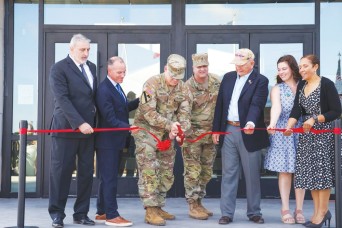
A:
195,212
165,215
205,210
152,217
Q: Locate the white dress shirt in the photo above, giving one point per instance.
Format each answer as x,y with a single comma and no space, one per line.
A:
87,70
233,110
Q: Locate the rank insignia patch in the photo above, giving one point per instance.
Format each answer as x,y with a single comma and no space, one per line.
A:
145,96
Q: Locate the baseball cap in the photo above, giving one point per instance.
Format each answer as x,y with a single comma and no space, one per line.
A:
200,59
242,56
176,66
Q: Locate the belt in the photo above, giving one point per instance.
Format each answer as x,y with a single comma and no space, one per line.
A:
233,123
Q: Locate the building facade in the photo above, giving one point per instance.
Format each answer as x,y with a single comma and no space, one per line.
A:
36,33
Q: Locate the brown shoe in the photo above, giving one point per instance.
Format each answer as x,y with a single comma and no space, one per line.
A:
118,221
225,220
165,215
257,219
100,218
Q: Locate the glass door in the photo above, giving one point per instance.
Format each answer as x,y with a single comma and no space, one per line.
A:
221,49
145,56
57,48
267,47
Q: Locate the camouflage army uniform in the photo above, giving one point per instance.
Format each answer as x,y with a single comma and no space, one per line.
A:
159,107
199,157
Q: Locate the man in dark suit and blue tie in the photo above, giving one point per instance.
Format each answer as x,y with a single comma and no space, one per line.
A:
240,104
73,85
113,110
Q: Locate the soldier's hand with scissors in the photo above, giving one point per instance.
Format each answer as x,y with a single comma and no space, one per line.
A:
174,130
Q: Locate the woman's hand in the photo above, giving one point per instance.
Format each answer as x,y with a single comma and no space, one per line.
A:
288,131
307,125
270,129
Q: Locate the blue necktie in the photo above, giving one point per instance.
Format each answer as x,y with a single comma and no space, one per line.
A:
118,87
85,74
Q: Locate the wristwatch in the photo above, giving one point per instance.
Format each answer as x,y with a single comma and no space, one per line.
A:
315,117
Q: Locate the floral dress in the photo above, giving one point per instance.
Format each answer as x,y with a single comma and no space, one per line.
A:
315,153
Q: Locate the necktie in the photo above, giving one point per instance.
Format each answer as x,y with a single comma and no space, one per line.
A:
85,74
118,87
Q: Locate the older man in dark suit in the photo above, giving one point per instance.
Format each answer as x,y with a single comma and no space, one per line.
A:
113,111
240,104
73,84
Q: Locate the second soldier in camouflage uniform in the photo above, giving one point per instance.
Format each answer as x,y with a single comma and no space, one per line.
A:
164,104
199,157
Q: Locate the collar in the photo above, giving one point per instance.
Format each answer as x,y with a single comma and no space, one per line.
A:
245,77
113,82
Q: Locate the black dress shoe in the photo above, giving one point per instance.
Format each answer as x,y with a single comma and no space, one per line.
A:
57,222
257,219
225,220
84,221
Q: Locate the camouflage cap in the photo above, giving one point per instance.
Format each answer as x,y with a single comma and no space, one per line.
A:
200,59
242,56
176,66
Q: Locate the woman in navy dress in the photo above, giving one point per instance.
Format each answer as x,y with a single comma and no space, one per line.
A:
317,101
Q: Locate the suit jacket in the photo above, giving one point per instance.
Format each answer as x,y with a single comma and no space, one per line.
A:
74,99
113,113
251,106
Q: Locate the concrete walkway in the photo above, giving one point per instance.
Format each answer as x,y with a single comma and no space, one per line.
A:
131,208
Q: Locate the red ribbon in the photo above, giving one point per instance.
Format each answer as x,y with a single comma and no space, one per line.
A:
161,145
165,145
312,130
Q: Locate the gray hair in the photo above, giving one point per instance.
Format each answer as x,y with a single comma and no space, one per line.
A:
113,59
78,38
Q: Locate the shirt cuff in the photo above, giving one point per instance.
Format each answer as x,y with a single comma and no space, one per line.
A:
251,123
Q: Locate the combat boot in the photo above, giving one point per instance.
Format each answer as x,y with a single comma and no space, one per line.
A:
165,215
205,210
195,211
152,217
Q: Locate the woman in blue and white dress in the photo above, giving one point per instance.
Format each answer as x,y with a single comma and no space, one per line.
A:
281,155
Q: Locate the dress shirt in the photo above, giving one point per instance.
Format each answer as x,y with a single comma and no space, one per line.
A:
87,70
114,84
233,110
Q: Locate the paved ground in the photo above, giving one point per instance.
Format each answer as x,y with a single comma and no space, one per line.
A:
36,213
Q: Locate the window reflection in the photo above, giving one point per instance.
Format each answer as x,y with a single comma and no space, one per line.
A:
127,164
244,13
142,62
269,55
62,50
330,39
111,13
25,65
31,165
138,70
219,56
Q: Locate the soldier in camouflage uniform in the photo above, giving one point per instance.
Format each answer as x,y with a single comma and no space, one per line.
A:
199,157
164,104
